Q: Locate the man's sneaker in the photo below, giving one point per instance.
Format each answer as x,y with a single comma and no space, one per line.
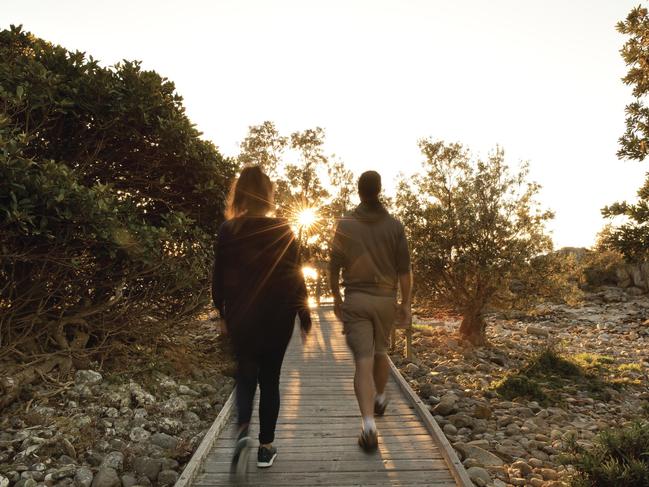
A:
239,465
379,408
266,456
368,440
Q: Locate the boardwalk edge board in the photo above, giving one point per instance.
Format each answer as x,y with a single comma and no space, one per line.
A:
448,453
193,467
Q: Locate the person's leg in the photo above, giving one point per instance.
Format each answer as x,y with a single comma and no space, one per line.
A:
381,372
247,371
383,320
364,385
269,400
247,368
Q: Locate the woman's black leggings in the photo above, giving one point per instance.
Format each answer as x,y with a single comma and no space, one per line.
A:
263,368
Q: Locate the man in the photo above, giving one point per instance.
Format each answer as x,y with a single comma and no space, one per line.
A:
371,249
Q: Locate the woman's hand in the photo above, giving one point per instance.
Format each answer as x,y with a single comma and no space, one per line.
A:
305,323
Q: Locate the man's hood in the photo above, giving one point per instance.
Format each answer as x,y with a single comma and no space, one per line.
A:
370,212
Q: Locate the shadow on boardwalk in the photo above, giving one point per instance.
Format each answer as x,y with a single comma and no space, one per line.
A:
318,427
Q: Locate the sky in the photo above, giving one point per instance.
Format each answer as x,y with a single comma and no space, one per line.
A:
539,78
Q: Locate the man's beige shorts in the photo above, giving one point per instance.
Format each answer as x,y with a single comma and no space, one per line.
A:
367,322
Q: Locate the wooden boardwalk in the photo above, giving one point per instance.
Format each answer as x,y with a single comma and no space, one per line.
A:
319,422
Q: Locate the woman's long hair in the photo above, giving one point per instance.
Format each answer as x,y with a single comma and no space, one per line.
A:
250,194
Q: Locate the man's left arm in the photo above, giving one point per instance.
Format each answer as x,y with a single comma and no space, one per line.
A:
335,264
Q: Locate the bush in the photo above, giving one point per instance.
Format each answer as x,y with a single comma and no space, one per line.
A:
109,201
618,457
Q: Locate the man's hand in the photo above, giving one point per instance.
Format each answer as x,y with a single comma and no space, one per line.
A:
404,315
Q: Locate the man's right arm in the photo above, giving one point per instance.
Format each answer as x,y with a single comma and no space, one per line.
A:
405,313
404,271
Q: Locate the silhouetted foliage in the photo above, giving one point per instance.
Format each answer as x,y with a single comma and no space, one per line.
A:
109,200
632,237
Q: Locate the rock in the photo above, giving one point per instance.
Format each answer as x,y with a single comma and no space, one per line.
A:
635,291
522,467
114,460
537,330
485,458
87,378
4,481
411,368
479,476
63,472
106,477
535,462
449,429
461,420
499,483
446,405
167,477
65,460
174,405
128,480
190,417
426,390
482,411
140,396
187,391
517,481
549,474
163,440
139,434
149,467
83,477
169,464
512,450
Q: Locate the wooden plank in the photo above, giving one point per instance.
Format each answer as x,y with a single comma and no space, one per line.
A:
289,465
348,452
319,421
454,464
277,478
192,468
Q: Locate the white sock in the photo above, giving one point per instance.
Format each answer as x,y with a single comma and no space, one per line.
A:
380,398
368,423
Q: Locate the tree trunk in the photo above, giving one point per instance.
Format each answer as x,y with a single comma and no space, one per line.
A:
473,328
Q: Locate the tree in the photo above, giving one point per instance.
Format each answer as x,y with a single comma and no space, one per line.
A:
109,202
263,146
632,237
474,230
306,180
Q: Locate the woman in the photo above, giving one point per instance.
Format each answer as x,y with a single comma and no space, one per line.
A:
258,288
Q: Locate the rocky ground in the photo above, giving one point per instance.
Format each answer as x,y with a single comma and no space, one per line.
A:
509,410
133,422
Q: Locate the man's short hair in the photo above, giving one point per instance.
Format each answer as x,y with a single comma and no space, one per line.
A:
369,186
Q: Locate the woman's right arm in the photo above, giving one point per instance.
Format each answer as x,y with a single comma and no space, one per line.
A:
301,298
217,273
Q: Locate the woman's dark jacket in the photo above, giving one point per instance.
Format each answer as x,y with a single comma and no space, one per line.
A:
257,283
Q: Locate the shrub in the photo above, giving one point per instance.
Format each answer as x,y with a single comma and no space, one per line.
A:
109,201
618,457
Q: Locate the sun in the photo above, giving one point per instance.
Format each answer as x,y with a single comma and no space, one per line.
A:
307,217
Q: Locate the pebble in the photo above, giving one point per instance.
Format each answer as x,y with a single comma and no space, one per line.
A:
83,477
479,476
167,477
106,477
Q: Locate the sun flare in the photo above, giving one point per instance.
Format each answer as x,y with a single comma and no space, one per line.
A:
309,272
307,217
